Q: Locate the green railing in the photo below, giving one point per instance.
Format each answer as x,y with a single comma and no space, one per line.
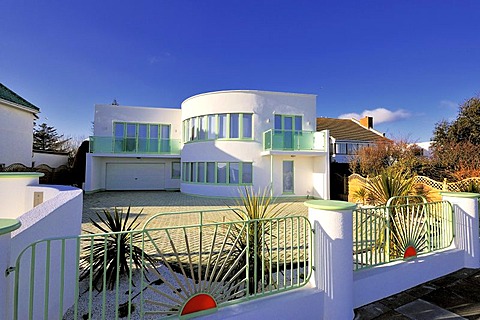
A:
214,258
400,231
294,140
134,145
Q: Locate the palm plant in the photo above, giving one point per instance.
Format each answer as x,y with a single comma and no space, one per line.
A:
107,255
390,183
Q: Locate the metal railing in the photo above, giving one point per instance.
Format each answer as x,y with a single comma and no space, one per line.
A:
134,145
406,229
214,256
294,140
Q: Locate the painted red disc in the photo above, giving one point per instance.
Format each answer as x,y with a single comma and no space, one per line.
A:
199,302
410,252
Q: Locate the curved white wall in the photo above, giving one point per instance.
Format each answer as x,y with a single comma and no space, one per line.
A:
263,105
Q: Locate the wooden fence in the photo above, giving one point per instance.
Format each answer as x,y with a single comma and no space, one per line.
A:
431,187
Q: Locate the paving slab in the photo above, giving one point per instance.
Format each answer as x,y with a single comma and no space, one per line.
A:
423,310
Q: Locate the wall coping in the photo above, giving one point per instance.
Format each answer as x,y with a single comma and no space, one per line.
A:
460,194
9,225
21,175
330,205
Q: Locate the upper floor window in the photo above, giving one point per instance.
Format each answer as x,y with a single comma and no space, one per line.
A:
219,126
288,122
141,137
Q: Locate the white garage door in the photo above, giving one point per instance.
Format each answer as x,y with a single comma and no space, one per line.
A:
135,176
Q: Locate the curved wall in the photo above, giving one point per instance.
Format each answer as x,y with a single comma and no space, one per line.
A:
263,106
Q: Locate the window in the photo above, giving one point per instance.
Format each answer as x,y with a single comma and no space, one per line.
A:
211,127
247,172
202,128
247,126
201,172
233,170
222,126
210,172
141,137
221,172
234,126
175,170
298,123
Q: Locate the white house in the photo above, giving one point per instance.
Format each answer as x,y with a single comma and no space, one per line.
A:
348,135
16,128
215,144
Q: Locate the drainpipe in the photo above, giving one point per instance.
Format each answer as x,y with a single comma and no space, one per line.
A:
271,175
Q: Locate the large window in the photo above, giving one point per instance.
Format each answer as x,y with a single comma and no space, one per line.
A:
141,137
219,126
232,173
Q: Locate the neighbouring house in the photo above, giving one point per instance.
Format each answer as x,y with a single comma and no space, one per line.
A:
348,135
17,117
216,143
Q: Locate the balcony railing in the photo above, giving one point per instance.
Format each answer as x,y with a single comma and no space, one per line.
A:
134,145
294,140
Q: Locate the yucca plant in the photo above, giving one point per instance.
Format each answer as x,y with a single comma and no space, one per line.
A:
362,195
105,256
255,207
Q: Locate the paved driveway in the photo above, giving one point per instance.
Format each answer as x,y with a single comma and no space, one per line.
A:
152,202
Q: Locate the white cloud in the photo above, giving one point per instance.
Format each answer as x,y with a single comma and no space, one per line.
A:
449,104
380,115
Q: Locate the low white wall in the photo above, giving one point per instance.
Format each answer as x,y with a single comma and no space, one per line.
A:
305,303
50,159
60,216
385,280
13,193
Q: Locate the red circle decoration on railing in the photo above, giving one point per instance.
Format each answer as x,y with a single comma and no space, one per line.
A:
410,252
199,302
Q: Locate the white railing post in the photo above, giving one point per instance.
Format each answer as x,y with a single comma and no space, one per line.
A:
333,258
465,212
6,227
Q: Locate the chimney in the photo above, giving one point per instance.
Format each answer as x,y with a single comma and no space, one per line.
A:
367,122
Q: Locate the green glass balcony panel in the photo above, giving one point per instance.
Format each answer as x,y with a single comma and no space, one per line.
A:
134,145
293,140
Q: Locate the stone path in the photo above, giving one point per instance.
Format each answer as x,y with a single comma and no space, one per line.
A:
454,296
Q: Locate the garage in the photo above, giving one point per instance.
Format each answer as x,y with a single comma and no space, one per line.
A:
135,176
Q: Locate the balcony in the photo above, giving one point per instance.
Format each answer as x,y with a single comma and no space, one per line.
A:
287,140
134,145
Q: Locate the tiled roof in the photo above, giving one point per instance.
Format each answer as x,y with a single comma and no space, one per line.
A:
347,129
9,95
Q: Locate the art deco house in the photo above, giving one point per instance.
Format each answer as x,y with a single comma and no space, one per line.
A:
216,143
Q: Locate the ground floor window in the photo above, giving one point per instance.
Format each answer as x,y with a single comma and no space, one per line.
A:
175,170
231,173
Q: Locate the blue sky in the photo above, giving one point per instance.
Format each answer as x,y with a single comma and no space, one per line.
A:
408,63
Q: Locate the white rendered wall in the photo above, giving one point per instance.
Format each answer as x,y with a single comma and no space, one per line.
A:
382,281
50,159
16,130
96,168
14,197
60,216
106,115
264,105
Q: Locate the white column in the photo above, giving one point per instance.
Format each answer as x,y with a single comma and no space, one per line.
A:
6,227
333,259
465,211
